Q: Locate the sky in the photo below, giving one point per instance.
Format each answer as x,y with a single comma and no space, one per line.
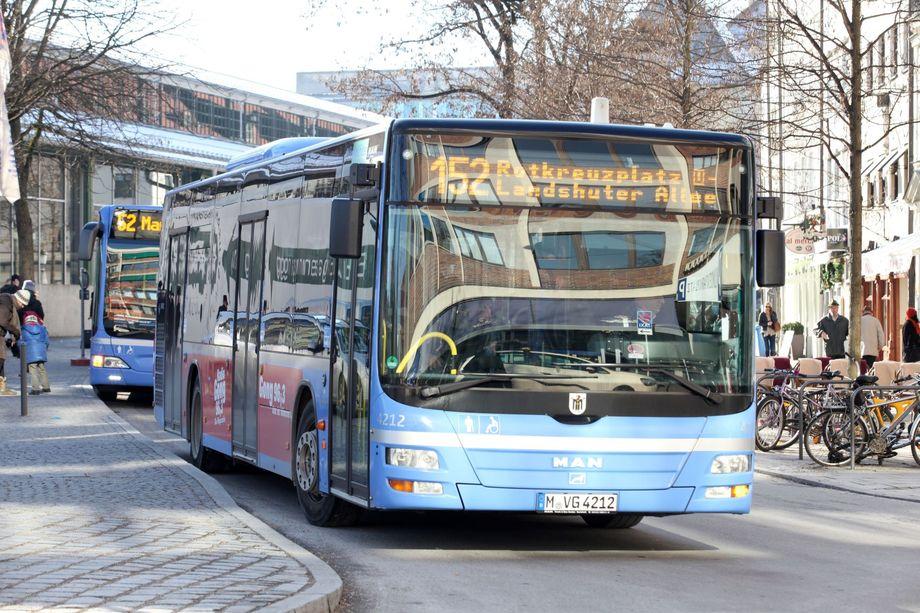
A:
270,43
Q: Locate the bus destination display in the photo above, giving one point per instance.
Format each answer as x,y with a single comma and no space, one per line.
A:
134,223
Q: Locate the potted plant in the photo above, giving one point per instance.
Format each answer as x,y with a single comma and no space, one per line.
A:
798,338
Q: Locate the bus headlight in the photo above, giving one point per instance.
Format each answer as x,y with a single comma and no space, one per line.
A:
106,361
737,463
412,458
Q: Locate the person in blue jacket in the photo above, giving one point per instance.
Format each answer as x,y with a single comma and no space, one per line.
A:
35,336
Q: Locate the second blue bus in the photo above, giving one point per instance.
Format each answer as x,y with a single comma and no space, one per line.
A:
123,305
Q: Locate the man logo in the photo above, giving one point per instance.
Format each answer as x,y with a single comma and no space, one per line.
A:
578,403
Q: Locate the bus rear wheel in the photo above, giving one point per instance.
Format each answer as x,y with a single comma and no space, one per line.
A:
320,509
203,458
614,521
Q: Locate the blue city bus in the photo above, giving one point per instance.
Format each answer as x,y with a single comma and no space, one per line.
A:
123,304
495,315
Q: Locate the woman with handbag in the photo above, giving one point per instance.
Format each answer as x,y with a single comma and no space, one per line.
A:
769,324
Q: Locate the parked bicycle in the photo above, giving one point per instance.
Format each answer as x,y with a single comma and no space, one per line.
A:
881,423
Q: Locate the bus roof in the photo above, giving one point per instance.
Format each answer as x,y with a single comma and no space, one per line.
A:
495,125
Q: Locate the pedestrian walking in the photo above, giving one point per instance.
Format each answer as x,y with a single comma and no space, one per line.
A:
910,336
35,336
769,325
9,322
873,336
834,329
12,286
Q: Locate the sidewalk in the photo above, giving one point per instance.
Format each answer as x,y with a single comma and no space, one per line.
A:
898,478
94,515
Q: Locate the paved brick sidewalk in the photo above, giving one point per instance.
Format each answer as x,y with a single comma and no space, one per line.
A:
93,515
898,477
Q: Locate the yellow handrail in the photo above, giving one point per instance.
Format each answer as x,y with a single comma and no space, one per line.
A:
411,353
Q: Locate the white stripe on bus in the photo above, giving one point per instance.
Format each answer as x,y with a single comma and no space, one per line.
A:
562,443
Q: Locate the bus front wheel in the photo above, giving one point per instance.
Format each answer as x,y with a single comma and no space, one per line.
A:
320,509
614,521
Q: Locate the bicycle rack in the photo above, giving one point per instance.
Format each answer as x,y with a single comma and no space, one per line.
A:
851,407
808,381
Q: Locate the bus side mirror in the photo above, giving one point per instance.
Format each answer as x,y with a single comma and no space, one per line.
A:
345,227
770,258
88,236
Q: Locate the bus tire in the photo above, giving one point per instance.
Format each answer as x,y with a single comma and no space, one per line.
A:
320,509
105,394
613,521
203,458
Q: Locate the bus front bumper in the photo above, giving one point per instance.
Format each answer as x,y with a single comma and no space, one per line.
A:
120,377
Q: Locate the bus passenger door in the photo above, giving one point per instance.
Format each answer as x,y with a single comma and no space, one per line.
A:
250,260
177,252
350,390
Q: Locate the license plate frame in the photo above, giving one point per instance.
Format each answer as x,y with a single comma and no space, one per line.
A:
577,503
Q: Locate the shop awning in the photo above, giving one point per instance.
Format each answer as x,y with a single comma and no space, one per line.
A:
891,258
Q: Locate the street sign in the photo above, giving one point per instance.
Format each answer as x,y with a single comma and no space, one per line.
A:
644,321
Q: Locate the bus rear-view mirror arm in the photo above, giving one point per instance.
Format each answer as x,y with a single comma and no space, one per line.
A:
88,236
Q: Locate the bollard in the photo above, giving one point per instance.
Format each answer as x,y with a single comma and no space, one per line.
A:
23,383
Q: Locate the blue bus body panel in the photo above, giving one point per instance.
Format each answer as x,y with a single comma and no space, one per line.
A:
502,462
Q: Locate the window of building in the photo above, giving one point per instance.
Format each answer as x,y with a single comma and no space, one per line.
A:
880,46
47,209
124,185
893,50
555,251
870,69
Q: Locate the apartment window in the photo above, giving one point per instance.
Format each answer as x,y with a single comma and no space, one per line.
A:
870,69
881,60
870,193
893,38
894,180
882,190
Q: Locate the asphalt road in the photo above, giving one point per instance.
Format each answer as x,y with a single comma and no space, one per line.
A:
801,549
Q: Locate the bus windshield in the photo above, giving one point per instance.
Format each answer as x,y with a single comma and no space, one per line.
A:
554,299
129,308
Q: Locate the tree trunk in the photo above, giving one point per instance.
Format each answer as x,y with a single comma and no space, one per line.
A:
24,227
855,246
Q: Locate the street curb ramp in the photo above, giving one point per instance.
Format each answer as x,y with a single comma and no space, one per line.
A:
321,597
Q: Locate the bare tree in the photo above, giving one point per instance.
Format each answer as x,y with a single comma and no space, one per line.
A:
496,28
818,59
77,70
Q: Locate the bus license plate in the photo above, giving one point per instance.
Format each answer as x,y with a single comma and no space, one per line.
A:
576,503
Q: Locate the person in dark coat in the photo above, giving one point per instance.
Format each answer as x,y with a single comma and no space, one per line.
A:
9,323
834,329
35,305
910,336
12,286
769,323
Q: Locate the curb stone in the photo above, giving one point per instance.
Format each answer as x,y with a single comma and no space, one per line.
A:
813,483
321,597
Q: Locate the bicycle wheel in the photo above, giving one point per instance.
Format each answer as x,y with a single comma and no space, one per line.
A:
770,417
915,438
790,432
828,436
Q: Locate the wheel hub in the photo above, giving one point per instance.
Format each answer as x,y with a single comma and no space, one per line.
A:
307,466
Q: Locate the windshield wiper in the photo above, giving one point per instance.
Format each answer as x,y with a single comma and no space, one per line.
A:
711,396
449,388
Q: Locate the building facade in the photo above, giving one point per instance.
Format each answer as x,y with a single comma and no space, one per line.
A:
806,157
